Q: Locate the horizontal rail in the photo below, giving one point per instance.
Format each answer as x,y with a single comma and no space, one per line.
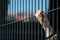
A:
30,17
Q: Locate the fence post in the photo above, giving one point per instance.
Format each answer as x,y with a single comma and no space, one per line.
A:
3,11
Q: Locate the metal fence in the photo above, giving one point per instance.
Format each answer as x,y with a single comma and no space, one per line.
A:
23,25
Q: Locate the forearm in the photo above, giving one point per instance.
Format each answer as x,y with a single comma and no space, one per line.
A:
46,26
48,30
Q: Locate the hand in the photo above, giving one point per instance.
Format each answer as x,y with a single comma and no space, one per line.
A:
42,18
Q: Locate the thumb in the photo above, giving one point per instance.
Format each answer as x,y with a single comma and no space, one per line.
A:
38,13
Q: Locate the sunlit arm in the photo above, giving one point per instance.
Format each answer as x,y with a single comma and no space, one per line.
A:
42,18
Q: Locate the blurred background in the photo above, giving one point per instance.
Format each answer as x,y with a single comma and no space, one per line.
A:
17,21
27,6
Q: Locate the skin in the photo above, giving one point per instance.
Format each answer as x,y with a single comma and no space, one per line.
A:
42,18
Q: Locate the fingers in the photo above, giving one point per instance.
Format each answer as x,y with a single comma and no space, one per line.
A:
39,14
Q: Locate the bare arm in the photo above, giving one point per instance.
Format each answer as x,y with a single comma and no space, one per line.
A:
42,18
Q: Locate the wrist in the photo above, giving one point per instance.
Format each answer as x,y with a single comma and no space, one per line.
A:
45,24
48,29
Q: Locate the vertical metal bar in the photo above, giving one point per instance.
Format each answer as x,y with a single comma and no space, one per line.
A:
20,24
4,31
46,18
10,18
9,25
5,12
28,6
6,23
3,18
31,21
0,32
14,15
15,31
2,11
13,34
53,19
23,22
42,20
6,27
49,20
2,15
29,16
38,22
9,32
15,28
34,23
57,20
49,24
18,17
26,20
